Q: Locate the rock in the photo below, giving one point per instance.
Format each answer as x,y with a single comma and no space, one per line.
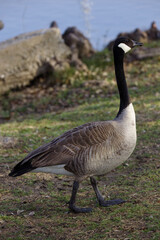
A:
8,142
138,35
53,24
78,42
31,213
80,46
30,55
19,211
1,25
153,33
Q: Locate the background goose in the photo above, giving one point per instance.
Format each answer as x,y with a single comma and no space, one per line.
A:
91,149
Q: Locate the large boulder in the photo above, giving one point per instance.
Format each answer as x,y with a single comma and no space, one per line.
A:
80,46
78,42
30,55
137,35
153,32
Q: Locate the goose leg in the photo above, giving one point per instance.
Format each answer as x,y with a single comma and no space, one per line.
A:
100,199
73,200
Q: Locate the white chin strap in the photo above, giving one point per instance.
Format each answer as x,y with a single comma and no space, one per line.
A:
124,47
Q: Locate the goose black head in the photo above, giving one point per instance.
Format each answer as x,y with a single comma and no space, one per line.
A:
125,44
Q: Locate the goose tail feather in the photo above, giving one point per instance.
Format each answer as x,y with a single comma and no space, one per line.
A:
21,168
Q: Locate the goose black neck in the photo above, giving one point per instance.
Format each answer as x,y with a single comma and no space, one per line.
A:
121,81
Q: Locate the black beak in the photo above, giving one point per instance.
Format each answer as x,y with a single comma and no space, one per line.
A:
135,43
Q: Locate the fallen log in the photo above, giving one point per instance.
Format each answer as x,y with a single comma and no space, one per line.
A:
143,53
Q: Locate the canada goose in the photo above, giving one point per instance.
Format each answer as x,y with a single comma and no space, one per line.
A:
91,149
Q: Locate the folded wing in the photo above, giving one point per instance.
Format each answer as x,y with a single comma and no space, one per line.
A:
66,147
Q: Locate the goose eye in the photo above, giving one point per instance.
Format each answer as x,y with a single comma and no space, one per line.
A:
127,41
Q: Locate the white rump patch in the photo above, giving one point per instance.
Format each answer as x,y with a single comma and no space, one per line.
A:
58,169
124,47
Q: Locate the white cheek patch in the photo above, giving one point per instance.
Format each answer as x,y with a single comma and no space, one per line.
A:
124,47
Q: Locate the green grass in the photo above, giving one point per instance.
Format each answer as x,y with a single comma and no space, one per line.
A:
152,44
42,199
99,60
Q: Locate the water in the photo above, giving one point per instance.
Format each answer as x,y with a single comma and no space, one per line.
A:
100,20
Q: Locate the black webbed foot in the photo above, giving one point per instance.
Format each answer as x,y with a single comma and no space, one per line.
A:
72,201
100,199
111,202
75,209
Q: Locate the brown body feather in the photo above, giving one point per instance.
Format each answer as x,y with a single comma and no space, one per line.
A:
86,150
69,145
